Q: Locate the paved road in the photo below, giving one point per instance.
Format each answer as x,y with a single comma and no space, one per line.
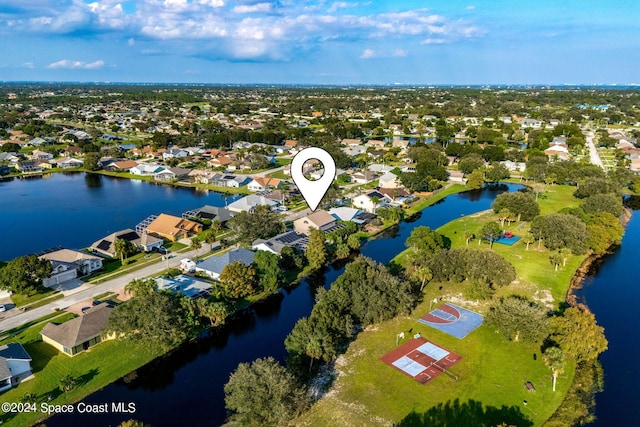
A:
15,317
594,157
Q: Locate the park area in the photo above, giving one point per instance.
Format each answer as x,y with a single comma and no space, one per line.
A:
492,371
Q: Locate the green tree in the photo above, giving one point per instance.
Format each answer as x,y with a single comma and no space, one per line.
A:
264,393
504,215
238,279
196,244
475,179
92,161
353,241
470,163
422,274
528,239
133,423
556,259
342,251
523,205
157,319
123,249
610,202
604,230
560,231
519,319
424,241
139,287
269,273
316,252
491,231
497,173
262,223
68,383
468,236
24,275
554,359
210,237
215,311
579,335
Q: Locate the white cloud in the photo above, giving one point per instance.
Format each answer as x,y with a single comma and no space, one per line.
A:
211,3
399,53
131,41
29,65
340,5
368,54
78,65
471,7
433,41
254,8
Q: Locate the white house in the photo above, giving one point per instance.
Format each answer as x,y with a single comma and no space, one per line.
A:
369,202
15,365
68,264
389,180
214,265
146,169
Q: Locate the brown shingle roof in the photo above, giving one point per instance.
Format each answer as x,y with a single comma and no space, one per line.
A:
81,329
170,225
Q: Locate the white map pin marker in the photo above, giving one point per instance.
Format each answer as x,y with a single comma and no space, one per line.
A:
313,191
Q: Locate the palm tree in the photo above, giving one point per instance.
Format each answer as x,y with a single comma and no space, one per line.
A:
216,312
556,259
566,253
468,236
313,350
123,248
554,360
504,215
67,383
423,274
528,239
139,287
196,244
210,238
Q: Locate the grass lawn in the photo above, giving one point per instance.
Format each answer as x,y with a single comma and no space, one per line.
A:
493,372
94,369
20,300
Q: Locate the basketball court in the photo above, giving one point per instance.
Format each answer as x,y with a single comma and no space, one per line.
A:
422,360
453,320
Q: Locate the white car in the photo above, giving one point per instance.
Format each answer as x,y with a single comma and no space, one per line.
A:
2,308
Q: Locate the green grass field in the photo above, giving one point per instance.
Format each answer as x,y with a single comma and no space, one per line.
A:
493,370
94,369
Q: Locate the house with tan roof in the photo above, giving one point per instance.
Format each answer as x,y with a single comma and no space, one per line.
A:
68,264
320,220
220,161
261,183
173,228
142,241
81,333
122,165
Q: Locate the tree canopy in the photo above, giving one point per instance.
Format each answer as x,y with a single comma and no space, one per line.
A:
560,231
262,223
579,335
517,319
24,275
521,204
264,393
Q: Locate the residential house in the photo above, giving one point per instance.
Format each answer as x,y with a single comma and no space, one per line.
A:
146,169
221,161
369,202
37,141
81,333
212,213
186,285
172,174
457,177
44,165
262,183
351,142
354,151
559,151
72,151
214,265
376,144
389,180
122,165
514,166
27,166
279,242
249,203
15,365
174,153
142,241
40,155
5,170
68,264
70,163
344,213
363,177
320,220
395,195
9,157
172,228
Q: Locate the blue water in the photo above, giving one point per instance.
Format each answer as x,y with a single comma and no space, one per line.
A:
613,295
74,210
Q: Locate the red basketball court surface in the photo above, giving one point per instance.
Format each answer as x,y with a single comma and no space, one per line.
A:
421,359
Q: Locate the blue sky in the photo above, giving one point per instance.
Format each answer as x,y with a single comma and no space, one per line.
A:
321,42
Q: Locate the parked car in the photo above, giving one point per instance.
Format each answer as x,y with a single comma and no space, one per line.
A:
2,308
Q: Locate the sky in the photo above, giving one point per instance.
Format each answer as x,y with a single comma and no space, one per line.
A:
438,42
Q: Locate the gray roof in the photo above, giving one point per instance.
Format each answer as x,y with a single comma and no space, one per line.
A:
216,264
14,350
5,372
214,213
81,329
249,202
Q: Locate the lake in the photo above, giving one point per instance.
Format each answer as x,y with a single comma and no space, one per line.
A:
74,210
187,386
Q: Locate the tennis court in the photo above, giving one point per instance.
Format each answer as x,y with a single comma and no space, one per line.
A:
453,320
422,360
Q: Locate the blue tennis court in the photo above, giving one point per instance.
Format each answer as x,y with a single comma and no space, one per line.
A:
453,320
509,241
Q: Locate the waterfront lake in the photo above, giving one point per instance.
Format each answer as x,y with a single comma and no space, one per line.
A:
187,386
74,210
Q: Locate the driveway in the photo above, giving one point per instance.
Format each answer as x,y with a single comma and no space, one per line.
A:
594,157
